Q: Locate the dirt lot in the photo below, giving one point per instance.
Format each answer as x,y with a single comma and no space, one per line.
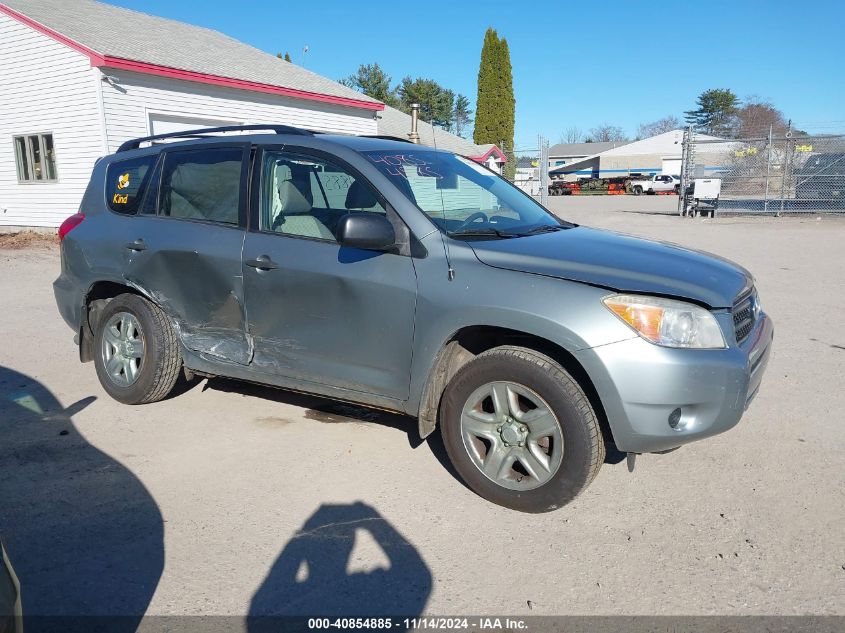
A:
233,499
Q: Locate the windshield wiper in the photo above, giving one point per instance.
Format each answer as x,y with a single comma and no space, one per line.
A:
544,228
482,232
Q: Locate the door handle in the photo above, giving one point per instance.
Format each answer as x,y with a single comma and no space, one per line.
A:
262,262
137,245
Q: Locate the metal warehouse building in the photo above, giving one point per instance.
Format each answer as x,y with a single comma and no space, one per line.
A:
654,155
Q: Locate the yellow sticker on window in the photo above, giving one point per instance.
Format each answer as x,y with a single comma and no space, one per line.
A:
123,181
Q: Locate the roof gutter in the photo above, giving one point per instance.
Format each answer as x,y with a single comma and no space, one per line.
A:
98,60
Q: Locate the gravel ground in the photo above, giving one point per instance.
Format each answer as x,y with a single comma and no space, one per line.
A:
236,499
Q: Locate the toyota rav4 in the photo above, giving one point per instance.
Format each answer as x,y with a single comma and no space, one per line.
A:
404,278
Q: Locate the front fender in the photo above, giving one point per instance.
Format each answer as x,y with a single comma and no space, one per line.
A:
565,313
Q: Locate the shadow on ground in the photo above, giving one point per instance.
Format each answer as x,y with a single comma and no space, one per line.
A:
83,533
317,574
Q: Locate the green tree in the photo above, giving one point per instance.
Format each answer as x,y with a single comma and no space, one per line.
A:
286,56
495,107
461,115
373,82
716,112
436,102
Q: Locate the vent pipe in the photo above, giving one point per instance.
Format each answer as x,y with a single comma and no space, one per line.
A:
414,136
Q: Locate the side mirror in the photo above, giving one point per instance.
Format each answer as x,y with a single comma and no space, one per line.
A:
370,231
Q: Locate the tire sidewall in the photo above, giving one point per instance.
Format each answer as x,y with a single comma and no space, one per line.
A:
574,471
137,307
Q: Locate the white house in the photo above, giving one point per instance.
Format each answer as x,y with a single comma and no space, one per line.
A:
79,78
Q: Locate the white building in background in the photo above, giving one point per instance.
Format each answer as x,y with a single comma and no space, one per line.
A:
659,154
80,78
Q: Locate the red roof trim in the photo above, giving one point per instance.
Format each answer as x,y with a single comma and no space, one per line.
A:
486,155
98,60
49,32
241,84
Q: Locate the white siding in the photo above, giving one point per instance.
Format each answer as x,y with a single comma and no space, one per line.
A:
45,87
130,103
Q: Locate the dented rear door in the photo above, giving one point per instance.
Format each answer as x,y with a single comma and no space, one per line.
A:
184,247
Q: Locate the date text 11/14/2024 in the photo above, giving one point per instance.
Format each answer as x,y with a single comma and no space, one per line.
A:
419,623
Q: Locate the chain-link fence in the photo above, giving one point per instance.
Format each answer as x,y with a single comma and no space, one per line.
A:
532,170
776,175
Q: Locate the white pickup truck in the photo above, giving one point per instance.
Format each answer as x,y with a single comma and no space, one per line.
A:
660,182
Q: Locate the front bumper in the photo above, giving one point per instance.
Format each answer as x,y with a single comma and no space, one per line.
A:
641,385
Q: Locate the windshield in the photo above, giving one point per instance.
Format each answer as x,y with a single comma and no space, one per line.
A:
461,197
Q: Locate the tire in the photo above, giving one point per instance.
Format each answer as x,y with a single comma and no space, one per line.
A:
638,191
136,352
578,448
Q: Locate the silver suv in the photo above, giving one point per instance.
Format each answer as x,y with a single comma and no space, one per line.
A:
396,276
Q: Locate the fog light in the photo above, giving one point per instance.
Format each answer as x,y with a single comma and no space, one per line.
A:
675,420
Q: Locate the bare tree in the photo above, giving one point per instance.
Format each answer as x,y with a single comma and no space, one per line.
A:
756,116
661,126
607,133
572,134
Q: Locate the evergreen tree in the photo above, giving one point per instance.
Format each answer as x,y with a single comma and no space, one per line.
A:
436,102
486,111
287,56
496,107
508,108
373,82
716,113
461,115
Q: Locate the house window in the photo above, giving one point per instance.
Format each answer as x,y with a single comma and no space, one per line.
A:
35,158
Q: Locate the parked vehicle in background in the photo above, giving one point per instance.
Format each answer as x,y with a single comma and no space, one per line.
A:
655,184
822,177
409,279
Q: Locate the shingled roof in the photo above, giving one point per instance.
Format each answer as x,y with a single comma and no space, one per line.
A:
393,122
129,40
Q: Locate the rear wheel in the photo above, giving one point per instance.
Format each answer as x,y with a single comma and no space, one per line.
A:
638,191
520,430
137,354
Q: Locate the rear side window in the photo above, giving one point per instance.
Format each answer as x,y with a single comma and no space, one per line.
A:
126,182
202,184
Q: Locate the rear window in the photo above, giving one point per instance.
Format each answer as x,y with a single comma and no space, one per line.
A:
202,184
126,182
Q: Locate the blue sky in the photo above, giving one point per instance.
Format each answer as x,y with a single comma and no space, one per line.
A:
627,63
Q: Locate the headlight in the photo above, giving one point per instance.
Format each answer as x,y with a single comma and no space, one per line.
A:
667,322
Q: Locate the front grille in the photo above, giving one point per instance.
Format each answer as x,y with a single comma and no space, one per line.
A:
744,315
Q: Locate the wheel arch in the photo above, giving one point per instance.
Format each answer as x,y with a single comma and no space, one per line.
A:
96,298
466,343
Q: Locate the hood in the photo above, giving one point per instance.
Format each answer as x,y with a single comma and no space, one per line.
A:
620,262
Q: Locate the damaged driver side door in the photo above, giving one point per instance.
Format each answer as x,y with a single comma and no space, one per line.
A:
184,247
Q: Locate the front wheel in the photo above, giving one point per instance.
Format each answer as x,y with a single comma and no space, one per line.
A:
137,354
520,430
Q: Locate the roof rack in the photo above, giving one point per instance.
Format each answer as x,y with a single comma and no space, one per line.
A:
135,143
388,137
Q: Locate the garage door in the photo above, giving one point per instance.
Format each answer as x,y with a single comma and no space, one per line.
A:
672,166
166,123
